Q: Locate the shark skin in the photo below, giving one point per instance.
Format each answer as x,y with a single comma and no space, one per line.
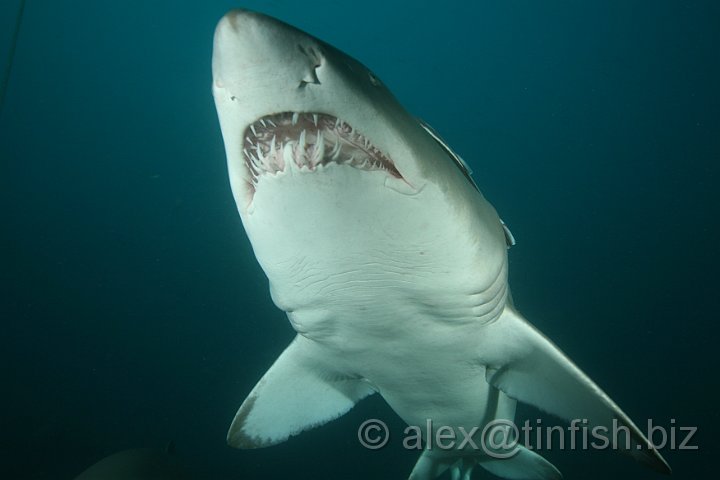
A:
138,464
390,264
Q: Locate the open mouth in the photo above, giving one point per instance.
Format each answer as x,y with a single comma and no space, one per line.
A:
307,141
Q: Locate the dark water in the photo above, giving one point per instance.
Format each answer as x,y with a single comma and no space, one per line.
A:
133,311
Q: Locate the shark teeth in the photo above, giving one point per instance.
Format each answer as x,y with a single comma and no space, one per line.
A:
337,148
288,155
274,143
319,152
301,142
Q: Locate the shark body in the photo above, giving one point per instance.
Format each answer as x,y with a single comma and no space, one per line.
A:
389,262
138,464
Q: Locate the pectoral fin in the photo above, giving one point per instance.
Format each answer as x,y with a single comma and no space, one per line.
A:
300,391
528,367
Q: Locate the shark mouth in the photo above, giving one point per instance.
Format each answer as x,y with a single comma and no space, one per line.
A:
307,141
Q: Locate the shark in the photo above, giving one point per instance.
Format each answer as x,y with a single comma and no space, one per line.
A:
388,261
138,464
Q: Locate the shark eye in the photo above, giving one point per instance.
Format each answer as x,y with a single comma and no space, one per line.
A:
374,80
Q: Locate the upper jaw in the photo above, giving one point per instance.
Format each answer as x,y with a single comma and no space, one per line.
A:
306,141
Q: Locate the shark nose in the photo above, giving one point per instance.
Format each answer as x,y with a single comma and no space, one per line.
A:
235,23
248,42
232,43
245,23
246,34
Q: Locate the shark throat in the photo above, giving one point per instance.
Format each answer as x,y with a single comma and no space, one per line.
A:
307,142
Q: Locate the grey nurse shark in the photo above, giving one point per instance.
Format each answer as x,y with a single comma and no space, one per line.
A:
390,264
138,464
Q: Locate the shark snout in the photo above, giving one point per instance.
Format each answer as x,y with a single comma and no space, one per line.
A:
242,22
251,49
233,37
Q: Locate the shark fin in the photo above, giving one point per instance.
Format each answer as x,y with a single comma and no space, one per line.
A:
523,465
528,367
430,466
300,391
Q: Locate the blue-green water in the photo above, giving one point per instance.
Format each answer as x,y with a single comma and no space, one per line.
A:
133,311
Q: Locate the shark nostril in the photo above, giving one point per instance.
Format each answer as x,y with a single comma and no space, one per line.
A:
310,78
314,56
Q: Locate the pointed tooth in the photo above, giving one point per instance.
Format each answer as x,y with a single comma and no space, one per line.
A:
319,148
272,146
252,164
315,119
272,123
301,142
262,122
275,162
260,155
300,154
288,155
295,118
252,127
336,149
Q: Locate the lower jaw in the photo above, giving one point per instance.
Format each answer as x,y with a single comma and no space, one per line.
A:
321,190
330,181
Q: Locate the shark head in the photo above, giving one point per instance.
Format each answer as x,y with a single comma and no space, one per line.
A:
318,148
287,100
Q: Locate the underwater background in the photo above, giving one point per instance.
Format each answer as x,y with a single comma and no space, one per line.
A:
134,312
